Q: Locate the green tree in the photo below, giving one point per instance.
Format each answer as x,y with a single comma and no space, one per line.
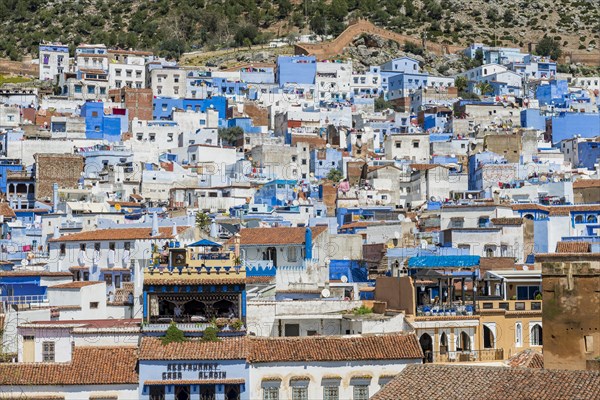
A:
334,175
461,83
318,24
413,48
202,220
231,135
285,8
549,47
485,88
382,104
173,335
210,334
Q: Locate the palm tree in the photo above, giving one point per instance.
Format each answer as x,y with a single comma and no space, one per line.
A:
485,88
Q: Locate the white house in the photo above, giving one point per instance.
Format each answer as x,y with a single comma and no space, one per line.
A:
326,367
92,372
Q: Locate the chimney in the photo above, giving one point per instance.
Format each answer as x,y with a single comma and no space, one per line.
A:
174,233
308,244
236,243
214,229
55,197
155,231
56,231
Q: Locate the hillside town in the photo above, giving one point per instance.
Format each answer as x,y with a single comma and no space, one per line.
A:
303,229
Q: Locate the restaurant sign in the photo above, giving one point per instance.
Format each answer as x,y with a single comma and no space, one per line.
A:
204,370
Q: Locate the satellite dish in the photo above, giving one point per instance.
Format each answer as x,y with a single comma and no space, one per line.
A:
328,145
401,217
24,262
423,243
397,235
344,278
325,293
118,207
295,202
525,267
470,196
433,198
453,155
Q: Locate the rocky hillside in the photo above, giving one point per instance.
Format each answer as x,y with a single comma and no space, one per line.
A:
172,27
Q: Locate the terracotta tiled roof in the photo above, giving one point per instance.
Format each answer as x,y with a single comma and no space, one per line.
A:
527,358
193,349
586,183
193,281
557,210
76,284
431,381
119,234
507,221
87,323
313,141
275,236
89,366
425,167
259,279
334,348
6,211
573,247
124,203
491,263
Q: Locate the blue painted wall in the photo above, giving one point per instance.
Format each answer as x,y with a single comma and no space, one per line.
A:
296,69
566,125
532,118
589,153
163,106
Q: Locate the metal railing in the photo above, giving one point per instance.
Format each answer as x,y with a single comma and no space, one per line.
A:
24,299
464,356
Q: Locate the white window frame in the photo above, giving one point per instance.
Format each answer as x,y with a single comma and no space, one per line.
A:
518,334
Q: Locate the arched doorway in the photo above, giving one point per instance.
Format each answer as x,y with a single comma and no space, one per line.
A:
464,342
271,254
489,341
536,335
194,307
427,346
443,343
224,308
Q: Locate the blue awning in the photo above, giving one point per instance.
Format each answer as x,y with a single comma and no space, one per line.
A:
443,262
205,243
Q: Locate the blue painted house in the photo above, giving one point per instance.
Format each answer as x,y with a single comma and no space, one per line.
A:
163,107
567,125
296,70
324,160
101,126
277,192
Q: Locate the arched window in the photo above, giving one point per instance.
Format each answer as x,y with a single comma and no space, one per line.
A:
579,219
536,335
488,338
427,346
464,341
443,343
528,216
592,219
518,335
